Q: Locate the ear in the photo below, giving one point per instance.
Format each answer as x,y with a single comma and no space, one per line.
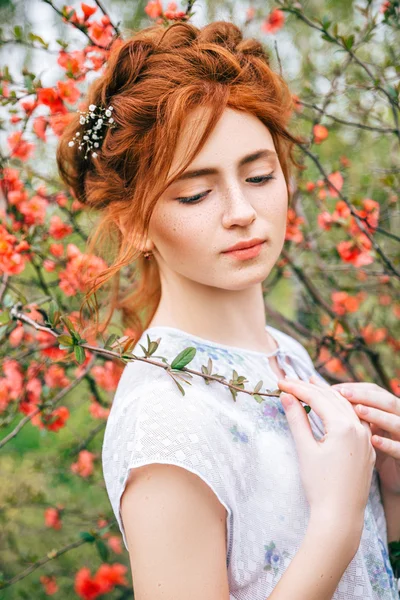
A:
148,247
121,226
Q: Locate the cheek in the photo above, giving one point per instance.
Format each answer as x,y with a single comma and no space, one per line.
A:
276,207
178,235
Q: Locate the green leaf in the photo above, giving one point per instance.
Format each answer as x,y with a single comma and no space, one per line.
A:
67,13
233,392
65,340
69,325
28,84
18,32
183,358
62,43
102,550
179,386
258,398
258,386
88,537
110,340
307,408
80,354
36,38
326,22
393,93
5,316
348,41
394,557
3,329
53,308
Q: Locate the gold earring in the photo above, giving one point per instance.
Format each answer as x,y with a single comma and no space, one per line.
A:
147,255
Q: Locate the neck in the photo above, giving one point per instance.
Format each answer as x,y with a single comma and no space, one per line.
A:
231,317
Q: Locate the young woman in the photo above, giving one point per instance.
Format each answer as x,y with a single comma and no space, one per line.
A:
218,497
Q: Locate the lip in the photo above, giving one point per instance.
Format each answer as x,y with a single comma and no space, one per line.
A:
245,244
246,253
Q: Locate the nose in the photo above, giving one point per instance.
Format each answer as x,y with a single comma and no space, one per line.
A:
238,210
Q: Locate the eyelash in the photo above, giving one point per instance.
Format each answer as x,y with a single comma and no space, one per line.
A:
198,197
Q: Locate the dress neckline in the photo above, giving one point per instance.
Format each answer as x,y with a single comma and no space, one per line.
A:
271,330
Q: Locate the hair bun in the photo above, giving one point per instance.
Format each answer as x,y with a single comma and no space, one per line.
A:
125,66
178,35
253,47
222,33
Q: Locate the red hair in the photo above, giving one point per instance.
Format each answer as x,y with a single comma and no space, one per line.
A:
152,80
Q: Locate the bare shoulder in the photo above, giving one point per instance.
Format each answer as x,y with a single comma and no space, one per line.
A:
175,528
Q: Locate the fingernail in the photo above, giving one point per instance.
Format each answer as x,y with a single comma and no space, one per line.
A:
362,409
346,392
286,399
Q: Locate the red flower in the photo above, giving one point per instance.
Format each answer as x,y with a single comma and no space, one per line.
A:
293,232
84,464
274,21
52,518
343,303
85,586
49,584
39,127
320,133
88,11
370,213
337,180
356,251
108,576
114,541
19,147
154,9
68,91
53,422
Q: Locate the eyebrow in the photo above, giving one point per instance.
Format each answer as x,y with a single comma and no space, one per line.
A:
249,158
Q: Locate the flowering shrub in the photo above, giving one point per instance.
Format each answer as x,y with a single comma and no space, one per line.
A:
340,263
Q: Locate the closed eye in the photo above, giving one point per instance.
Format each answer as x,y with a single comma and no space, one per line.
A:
194,199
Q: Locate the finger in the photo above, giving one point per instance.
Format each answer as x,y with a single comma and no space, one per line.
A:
371,395
382,419
319,381
368,428
320,401
298,422
340,402
375,430
322,383
389,447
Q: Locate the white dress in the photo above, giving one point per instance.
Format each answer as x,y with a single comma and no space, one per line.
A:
243,450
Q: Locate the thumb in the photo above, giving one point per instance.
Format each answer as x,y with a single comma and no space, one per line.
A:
298,421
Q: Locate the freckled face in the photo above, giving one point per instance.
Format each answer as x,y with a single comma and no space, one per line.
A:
238,201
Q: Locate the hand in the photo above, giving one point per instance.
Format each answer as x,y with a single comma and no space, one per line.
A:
383,416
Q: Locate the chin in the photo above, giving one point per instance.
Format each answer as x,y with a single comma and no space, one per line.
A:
243,281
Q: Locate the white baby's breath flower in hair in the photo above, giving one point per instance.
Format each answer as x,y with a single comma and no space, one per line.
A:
90,135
